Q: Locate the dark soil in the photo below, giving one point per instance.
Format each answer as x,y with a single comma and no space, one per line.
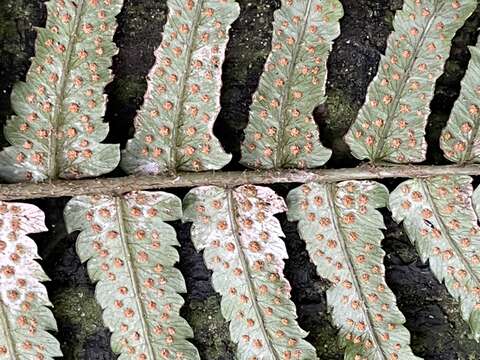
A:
433,318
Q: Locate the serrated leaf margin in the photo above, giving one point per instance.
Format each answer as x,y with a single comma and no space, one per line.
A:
391,124
342,227
439,219
146,324
281,131
460,139
240,237
24,314
174,128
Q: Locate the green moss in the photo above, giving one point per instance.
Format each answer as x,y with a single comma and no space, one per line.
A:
15,25
340,114
129,88
79,314
324,338
10,12
455,328
251,47
212,336
389,17
341,111
16,43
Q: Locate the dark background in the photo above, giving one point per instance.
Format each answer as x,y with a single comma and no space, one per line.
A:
433,317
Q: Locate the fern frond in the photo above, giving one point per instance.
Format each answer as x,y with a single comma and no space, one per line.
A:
241,239
174,128
391,124
439,219
282,132
24,314
58,127
130,253
460,140
342,230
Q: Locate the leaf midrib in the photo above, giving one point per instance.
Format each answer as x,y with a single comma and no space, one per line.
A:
133,277
53,168
391,114
444,230
8,333
287,88
332,208
232,214
182,86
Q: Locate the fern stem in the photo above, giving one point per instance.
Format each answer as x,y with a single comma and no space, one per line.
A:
53,164
331,190
444,230
228,179
133,277
12,352
248,277
281,143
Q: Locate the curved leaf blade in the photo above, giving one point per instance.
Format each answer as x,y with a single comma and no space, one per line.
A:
391,124
342,227
439,219
282,132
460,140
131,255
241,241
58,127
24,314
174,128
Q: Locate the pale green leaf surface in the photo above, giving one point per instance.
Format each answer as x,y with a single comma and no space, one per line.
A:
460,140
58,126
24,314
342,227
282,132
241,241
391,124
131,255
439,218
174,128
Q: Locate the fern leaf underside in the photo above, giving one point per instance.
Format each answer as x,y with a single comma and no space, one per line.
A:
174,128
460,140
439,218
241,241
58,127
391,124
342,230
281,131
130,252
24,314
